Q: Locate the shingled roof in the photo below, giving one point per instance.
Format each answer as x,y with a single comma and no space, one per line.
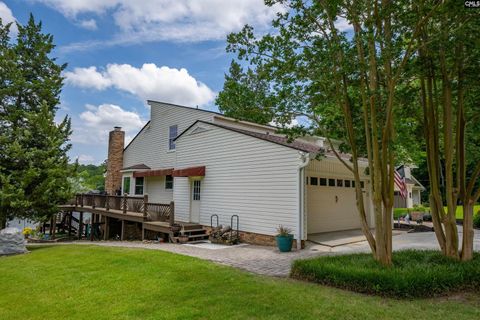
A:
296,144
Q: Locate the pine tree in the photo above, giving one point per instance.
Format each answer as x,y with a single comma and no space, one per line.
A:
33,148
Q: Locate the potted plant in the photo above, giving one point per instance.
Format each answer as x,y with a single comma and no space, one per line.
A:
284,239
183,238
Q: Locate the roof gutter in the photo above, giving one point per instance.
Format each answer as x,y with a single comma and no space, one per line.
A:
305,160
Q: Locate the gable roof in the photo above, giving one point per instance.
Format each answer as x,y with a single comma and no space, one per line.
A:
283,141
143,128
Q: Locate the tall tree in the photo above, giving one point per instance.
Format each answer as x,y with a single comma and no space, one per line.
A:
316,70
33,147
245,96
448,58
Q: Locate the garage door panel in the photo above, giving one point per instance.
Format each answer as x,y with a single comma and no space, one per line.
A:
331,209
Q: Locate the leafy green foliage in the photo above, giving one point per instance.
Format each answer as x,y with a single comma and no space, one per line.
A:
245,96
33,147
413,274
89,177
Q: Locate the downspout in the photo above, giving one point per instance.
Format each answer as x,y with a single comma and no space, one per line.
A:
305,158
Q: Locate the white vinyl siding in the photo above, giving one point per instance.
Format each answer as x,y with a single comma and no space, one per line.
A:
156,190
151,146
246,176
181,197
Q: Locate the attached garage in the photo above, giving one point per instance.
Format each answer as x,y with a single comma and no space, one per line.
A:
331,202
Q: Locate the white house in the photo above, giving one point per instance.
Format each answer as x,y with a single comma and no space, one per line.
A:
211,164
413,186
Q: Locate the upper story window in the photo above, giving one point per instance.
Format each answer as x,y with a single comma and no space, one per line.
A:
139,185
168,182
172,134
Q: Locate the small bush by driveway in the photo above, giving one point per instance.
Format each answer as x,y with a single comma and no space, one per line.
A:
414,274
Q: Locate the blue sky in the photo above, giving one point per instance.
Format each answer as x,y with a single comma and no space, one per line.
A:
122,52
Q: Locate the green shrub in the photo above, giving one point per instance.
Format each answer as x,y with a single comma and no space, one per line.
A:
476,220
413,274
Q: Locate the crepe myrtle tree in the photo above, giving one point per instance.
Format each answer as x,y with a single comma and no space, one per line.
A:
448,70
339,64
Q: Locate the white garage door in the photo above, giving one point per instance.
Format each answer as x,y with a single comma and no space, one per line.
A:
331,205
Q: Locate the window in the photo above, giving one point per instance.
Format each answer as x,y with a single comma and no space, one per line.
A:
139,185
331,182
323,181
410,195
362,184
313,181
396,193
347,183
339,183
353,183
172,134
196,190
168,182
306,180
126,185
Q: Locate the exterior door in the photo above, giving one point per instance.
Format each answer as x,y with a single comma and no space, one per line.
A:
195,196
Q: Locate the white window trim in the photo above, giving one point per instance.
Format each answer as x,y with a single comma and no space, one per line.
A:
171,139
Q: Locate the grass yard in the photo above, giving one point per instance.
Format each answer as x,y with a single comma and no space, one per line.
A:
398,212
90,282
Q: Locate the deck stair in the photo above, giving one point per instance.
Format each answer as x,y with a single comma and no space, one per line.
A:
194,232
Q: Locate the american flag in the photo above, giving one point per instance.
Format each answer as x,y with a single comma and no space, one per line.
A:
400,183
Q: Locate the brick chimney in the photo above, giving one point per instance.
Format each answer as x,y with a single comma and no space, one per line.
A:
113,178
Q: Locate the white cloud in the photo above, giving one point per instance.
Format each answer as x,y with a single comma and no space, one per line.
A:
7,16
86,159
148,82
87,78
97,121
343,24
180,20
89,24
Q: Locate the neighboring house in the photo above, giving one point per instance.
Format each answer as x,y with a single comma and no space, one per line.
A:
413,186
211,164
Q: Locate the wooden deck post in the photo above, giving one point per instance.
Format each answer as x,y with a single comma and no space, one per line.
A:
172,213
123,230
93,201
70,216
80,225
51,227
81,200
92,222
145,208
124,201
54,224
143,232
107,202
106,229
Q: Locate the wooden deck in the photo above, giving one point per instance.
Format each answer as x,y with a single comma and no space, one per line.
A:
156,217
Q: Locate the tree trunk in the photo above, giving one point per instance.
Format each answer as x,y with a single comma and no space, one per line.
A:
468,233
3,222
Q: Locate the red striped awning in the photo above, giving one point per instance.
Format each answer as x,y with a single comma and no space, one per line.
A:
189,172
153,173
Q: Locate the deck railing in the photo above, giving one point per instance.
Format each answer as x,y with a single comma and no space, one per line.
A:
126,204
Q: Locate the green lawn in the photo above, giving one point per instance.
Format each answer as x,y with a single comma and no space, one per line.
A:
397,212
88,282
